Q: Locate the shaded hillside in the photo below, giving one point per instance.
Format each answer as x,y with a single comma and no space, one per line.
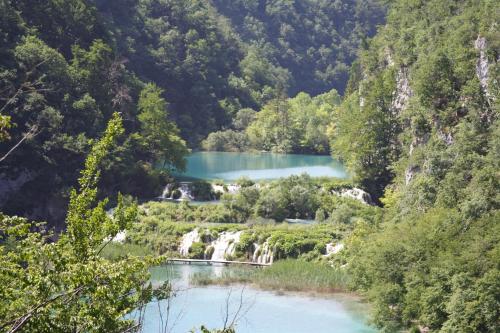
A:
315,41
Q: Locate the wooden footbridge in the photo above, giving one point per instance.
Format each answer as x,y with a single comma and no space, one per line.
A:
215,262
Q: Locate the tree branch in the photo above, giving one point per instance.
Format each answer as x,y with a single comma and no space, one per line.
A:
21,321
29,135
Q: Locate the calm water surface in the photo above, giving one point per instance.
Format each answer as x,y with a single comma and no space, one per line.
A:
264,312
231,166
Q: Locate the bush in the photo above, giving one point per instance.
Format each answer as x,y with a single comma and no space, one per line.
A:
228,140
176,194
202,190
197,250
245,182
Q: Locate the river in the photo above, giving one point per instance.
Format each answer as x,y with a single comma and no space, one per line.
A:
259,166
262,311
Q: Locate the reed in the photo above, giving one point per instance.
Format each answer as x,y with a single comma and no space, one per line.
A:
284,275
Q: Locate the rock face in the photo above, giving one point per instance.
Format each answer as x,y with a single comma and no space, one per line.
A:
355,193
9,186
482,66
410,173
403,91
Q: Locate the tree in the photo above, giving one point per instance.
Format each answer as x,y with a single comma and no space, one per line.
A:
65,285
160,135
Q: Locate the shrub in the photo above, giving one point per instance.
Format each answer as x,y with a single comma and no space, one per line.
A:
197,250
176,194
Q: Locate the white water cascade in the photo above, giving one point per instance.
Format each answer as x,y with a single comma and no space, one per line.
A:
263,254
185,192
225,245
333,249
184,189
256,252
167,191
187,241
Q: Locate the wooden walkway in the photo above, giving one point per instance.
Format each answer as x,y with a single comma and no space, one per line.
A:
211,262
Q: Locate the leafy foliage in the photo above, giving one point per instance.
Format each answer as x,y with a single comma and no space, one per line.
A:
420,127
294,125
65,284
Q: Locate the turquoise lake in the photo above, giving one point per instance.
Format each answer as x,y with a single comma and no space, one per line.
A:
259,166
261,311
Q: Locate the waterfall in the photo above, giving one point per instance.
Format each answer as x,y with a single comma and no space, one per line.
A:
167,191
120,237
256,253
263,254
233,188
185,192
187,241
183,188
225,245
229,188
333,249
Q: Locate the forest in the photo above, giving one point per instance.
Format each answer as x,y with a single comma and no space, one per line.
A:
66,66
102,101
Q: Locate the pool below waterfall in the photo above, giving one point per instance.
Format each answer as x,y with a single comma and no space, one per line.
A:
260,311
259,166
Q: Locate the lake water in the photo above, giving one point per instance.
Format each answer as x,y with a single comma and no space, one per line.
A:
262,311
264,166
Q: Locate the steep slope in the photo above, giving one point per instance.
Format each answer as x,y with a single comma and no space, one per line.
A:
315,41
420,128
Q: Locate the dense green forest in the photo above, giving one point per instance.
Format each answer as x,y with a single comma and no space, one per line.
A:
312,42
283,125
419,126
65,66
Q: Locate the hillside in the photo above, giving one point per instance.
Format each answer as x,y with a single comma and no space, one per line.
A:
313,41
66,66
420,128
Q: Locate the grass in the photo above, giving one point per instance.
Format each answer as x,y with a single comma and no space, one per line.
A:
284,275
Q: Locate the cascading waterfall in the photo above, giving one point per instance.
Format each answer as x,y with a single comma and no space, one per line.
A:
185,192
263,254
187,241
167,191
184,189
333,249
256,252
225,245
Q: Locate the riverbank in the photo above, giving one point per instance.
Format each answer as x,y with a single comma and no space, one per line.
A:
283,276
